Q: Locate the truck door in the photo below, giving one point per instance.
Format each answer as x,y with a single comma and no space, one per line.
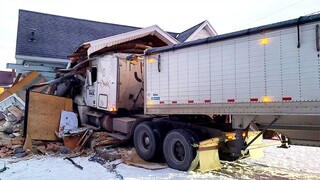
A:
91,88
107,83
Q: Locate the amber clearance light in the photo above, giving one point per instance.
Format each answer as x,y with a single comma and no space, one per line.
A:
264,41
113,109
266,99
151,60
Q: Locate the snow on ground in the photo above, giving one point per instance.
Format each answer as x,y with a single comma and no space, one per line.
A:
297,162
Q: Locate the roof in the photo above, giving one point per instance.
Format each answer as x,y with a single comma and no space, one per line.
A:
58,36
154,30
278,25
205,25
187,33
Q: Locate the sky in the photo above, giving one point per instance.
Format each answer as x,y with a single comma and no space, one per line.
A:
171,15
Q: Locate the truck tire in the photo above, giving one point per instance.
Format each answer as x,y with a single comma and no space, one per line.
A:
178,150
146,141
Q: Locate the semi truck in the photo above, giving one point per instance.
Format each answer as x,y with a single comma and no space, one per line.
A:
228,89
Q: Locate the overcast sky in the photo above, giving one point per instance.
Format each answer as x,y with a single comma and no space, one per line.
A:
171,15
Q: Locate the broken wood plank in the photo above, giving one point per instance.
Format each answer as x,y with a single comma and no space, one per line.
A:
20,87
27,143
71,141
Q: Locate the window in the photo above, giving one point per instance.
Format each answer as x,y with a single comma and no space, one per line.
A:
94,74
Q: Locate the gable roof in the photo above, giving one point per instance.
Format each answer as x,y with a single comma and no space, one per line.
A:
188,34
205,25
185,34
58,36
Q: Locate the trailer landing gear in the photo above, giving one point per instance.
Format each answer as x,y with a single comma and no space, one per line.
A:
284,142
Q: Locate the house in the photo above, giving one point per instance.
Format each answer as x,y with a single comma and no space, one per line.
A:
45,41
7,78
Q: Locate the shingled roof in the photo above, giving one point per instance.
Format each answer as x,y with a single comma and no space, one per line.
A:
52,36
58,36
187,33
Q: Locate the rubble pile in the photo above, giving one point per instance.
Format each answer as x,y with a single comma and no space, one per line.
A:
62,136
29,125
11,120
76,141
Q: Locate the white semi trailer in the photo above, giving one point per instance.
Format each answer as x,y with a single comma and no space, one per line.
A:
267,76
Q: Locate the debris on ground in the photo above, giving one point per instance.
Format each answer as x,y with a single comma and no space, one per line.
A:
108,153
131,157
75,164
102,139
12,112
53,129
3,166
76,139
97,159
111,167
19,152
4,152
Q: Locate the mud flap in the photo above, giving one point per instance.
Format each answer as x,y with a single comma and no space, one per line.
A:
194,163
207,156
255,153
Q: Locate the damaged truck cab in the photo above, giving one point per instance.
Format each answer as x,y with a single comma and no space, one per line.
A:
112,83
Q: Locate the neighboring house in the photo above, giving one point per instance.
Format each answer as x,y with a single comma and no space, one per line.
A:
7,78
45,41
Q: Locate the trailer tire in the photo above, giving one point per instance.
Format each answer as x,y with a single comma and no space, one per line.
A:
178,150
146,141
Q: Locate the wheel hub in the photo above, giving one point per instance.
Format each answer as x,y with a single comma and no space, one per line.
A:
179,151
146,141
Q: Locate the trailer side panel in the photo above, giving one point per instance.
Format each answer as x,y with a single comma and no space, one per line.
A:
264,73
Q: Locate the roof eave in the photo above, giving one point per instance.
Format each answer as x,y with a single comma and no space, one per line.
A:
98,44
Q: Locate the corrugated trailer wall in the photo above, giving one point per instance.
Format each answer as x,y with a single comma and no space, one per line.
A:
262,73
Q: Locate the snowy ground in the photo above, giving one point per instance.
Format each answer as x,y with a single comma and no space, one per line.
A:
297,162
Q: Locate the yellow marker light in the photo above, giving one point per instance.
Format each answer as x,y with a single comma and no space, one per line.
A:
266,99
151,60
1,90
151,103
229,137
134,62
113,109
244,134
264,41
